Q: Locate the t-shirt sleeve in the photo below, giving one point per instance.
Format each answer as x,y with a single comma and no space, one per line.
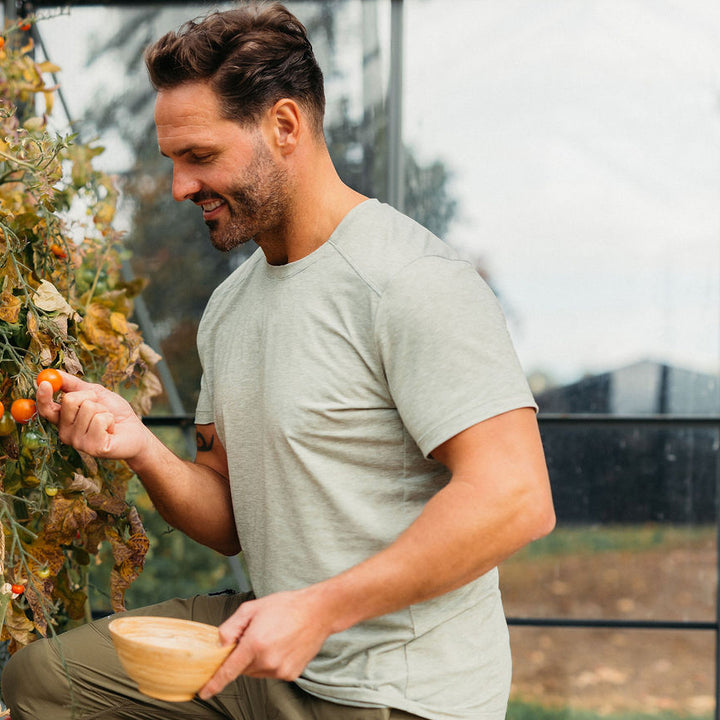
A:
447,354
204,412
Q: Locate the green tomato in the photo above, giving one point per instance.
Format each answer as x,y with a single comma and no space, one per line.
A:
31,442
7,424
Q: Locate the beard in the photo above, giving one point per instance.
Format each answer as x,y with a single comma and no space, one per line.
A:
260,202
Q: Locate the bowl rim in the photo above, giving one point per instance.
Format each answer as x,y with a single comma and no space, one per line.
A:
115,629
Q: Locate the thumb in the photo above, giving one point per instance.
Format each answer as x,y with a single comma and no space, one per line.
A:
47,407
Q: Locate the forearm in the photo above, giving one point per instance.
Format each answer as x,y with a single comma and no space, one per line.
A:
191,497
451,543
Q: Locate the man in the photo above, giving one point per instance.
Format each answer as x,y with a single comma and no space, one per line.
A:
364,428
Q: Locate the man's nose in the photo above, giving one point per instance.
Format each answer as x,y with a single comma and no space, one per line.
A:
184,185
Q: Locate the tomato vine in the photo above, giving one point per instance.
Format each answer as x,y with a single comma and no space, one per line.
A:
63,304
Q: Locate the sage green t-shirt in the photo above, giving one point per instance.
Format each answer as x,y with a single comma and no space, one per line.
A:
330,381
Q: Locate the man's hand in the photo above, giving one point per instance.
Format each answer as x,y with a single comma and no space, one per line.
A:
93,419
276,636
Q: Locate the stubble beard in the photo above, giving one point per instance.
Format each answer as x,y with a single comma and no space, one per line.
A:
259,203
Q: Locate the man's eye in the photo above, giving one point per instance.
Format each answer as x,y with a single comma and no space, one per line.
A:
201,158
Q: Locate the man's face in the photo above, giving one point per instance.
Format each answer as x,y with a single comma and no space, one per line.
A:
226,169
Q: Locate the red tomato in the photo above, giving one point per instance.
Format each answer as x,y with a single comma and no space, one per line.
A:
25,26
23,410
51,376
58,251
17,589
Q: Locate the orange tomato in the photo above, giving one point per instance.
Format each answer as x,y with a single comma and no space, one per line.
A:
51,376
58,251
23,410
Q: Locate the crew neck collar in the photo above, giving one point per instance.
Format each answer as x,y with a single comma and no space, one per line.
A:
287,270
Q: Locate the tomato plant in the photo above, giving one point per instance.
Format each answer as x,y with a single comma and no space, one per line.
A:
63,306
51,376
31,481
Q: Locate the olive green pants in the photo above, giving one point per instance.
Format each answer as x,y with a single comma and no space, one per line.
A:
77,676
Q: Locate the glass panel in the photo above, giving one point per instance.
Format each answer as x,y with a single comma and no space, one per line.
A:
582,142
105,86
611,674
636,535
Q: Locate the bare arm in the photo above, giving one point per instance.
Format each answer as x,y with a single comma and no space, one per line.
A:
497,501
191,496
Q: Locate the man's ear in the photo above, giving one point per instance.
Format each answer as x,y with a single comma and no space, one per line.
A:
286,121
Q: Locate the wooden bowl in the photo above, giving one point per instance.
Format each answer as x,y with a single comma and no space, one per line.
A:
169,659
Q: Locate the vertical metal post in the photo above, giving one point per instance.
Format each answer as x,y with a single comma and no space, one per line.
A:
396,174
9,10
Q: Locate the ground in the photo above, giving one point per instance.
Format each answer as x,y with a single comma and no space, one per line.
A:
611,670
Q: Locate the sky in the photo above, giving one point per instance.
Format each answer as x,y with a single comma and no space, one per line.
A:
583,141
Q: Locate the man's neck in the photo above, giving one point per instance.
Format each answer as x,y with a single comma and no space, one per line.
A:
321,201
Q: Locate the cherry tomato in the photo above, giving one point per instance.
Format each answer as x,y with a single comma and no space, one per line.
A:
2,42
23,410
51,491
32,440
43,573
58,251
7,424
25,26
17,589
51,376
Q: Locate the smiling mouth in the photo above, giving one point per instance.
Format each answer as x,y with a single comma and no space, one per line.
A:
209,208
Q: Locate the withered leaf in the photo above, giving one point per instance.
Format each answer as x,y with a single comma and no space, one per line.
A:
67,516
10,307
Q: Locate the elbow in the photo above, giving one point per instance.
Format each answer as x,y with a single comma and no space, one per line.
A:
541,517
229,549
546,523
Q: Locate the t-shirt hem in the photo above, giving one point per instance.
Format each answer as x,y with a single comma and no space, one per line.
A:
359,697
202,418
469,417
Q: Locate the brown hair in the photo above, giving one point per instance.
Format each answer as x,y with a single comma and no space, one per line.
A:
252,57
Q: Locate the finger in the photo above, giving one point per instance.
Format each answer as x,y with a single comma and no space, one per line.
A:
234,665
72,383
100,433
91,427
71,404
47,407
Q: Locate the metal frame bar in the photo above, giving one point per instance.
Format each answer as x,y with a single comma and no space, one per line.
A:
557,419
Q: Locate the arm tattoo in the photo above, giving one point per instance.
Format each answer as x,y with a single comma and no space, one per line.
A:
204,444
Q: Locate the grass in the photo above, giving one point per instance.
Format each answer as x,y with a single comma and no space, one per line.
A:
573,540
518,710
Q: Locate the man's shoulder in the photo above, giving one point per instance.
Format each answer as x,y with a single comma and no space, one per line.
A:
379,242
233,283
